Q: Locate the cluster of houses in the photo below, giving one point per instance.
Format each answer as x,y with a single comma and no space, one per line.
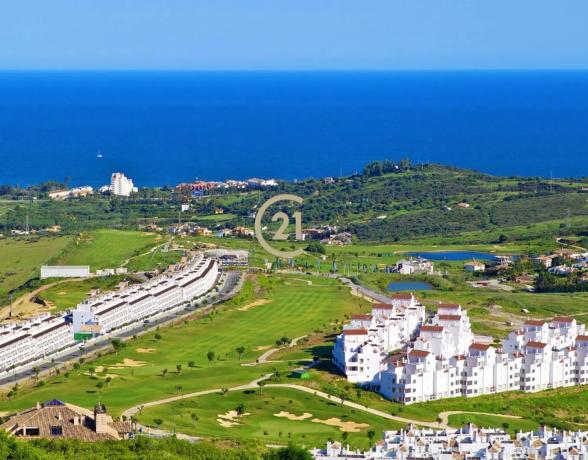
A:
414,266
467,443
327,234
40,337
120,185
199,187
409,360
190,228
571,261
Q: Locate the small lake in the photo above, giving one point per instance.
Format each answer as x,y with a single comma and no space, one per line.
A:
454,255
398,286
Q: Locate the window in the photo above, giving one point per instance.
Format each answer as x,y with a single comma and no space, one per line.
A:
56,430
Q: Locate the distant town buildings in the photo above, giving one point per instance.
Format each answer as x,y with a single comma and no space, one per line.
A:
200,186
120,185
71,193
414,266
58,420
467,443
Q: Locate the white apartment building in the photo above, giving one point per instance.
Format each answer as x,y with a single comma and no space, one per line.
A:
65,271
444,361
21,343
414,265
467,443
28,341
121,185
361,349
133,303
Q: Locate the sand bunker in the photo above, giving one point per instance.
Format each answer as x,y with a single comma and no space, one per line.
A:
145,350
257,303
229,419
262,347
290,416
350,427
126,363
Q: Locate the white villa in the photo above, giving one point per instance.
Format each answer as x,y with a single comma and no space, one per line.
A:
414,266
467,443
440,359
28,341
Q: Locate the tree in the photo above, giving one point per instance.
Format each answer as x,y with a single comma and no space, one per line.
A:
158,422
194,418
100,385
224,391
240,409
191,364
210,356
240,350
178,389
260,384
371,434
158,336
163,372
117,344
179,368
108,380
291,452
345,435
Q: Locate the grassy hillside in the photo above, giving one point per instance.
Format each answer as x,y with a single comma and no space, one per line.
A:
21,259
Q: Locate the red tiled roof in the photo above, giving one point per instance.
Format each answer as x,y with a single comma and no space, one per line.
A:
382,306
534,322
582,338
449,317
365,317
355,331
432,328
479,346
419,353
402,296
448,305
536,344
563,319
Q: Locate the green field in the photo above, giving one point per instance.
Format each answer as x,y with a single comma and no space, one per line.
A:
294,309
262,424
21,259
107,248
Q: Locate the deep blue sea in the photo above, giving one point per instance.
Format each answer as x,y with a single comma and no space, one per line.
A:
163,128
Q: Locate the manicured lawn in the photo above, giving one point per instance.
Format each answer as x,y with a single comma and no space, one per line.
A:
154,260
486,421
21,259
262,424
294,309
107,248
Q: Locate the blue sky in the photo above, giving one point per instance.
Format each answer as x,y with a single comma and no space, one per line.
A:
293,34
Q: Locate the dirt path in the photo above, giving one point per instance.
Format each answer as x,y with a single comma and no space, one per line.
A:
264,358
25,305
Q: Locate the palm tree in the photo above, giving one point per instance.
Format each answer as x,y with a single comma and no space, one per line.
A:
371,434
194,418
178,388
158,422
163,372
261,384
191,364
100,385
210,356
179,368
108,380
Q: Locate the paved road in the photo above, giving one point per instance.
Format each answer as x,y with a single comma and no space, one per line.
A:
233,282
